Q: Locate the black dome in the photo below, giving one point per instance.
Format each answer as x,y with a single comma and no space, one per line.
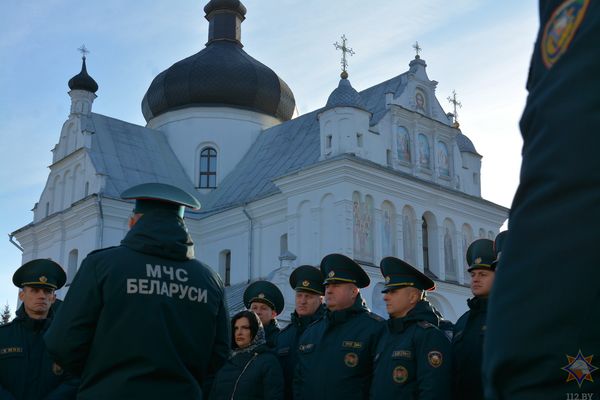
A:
222,74
82,81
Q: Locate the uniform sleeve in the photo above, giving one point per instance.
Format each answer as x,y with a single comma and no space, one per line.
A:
5,394
272,379
221,345
65,391
70,335
434,365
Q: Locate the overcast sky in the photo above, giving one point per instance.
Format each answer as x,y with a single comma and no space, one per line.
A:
480,48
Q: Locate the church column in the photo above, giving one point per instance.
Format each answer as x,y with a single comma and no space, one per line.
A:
347,226
439,253
314,245
378,236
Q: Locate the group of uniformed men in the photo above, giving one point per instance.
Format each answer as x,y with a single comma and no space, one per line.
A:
147,320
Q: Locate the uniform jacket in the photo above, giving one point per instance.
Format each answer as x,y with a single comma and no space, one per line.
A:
143,320
271,332
287,345
26,369
249,376
335,355
413,358
467,351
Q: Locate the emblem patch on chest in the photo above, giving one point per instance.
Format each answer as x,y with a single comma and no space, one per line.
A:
560,30
435,358
351,360
10,350
400,374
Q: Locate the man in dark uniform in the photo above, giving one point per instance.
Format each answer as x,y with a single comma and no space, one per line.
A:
26,369
144,320
469,331
548,272
413,356
307,281
335,354
265,300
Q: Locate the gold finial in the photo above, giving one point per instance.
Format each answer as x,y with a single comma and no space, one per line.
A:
455,103
345,50
417,49
83,50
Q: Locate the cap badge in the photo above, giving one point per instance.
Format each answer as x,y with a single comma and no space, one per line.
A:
261,295
305,283
477,260
331,274
387,279
43,279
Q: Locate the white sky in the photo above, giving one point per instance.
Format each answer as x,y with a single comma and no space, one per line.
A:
480,48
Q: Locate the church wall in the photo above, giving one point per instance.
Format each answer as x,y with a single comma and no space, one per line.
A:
230,131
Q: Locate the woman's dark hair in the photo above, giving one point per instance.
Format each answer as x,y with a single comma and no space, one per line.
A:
252,319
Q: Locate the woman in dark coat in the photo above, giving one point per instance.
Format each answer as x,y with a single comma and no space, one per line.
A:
252,372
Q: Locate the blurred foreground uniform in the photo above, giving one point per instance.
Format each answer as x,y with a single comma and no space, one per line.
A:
144,320
547,272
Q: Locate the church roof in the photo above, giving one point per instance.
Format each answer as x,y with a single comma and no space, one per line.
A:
221,74
278,150
128,155
291,146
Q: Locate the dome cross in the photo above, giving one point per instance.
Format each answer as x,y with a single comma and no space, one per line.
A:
345,50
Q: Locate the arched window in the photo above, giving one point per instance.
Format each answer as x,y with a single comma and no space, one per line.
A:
225,266
208,168
425,232
72,266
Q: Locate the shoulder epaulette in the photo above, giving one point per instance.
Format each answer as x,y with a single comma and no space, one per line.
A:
99,250
425,324
375,316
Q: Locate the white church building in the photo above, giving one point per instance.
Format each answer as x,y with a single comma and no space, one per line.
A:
373,173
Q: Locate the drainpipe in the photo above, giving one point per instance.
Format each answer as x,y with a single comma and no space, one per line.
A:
100,233
12,240
250,242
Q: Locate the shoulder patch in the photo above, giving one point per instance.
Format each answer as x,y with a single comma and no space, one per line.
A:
425,324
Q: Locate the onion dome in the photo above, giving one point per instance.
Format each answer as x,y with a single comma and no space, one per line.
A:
222,74
82,81
465,144
345,95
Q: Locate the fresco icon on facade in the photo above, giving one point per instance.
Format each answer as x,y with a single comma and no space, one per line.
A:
424,152
403,148
363,227
443,159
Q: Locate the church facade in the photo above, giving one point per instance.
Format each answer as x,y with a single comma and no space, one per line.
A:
384,171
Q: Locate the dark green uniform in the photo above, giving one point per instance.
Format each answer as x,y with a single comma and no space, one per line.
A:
271,332
143,320
286,346
548,273
336,353
467,351
412,358
27,372
253,375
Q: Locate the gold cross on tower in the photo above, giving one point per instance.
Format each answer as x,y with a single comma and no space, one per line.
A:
345,50
455,103
83,50
417,49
